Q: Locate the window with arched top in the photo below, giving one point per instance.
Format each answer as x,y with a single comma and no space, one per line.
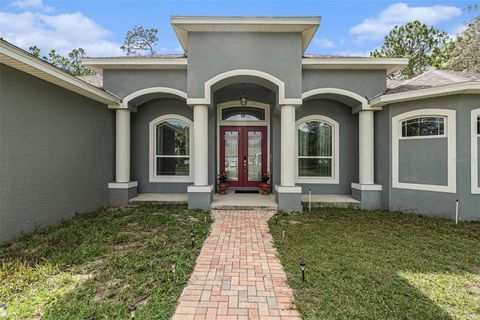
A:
317,150
243,114
171,149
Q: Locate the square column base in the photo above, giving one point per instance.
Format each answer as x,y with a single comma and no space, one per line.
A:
200,197
289,199
120,192
369,195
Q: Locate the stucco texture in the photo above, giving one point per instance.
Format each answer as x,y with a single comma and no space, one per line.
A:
433,162
56,153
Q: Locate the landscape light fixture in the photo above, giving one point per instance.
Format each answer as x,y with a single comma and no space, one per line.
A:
302,267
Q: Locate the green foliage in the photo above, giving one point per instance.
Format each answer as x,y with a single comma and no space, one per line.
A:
466,54
94,266
424,46
72,63
380,265
139,41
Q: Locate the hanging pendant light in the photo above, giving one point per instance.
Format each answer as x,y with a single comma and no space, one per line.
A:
243,102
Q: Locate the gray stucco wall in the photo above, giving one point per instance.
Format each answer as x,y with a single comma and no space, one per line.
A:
140,143
348,132
124,82
426,202
363,82
56,153
278,54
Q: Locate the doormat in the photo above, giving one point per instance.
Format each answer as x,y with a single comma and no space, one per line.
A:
247,191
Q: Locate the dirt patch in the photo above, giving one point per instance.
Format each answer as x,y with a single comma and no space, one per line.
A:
124,248
107,291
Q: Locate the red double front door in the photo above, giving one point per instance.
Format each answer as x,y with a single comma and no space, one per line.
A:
243,154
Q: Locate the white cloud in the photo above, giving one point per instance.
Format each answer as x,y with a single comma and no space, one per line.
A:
375,28
323,42
62,32
31,4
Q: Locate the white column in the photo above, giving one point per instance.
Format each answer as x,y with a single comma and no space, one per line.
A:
287,146
122,151
200,145
366,147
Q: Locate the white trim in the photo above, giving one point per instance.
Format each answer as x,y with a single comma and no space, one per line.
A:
99,64
136,94
335,178
365,63
472,87
338,91
195,189
152,157
287,189
23,61
366,187
243,72
236,103
475,188
450,129
122,185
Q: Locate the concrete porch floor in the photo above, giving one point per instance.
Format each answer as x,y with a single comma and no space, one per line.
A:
331,200
247,201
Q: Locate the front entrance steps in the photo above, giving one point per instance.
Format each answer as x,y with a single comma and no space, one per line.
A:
246,201
330,200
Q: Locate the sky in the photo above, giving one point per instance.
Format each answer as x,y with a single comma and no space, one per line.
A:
352,28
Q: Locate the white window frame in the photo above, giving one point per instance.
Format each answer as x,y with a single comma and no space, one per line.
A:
433,136
449,133
474,136
335,178
153,177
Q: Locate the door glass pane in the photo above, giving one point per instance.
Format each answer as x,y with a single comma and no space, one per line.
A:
171,166
314,167
231,155
254,155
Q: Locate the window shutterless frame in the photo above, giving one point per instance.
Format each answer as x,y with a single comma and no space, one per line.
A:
335,177
474,161
449,133
153,177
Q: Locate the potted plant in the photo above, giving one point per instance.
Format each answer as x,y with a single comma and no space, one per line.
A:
265,184
222,183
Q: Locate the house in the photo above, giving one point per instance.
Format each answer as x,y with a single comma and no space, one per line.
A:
244,99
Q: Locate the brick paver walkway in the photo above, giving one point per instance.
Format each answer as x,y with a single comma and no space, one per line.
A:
238,275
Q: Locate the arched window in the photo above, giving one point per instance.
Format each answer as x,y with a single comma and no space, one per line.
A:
170,149
317,150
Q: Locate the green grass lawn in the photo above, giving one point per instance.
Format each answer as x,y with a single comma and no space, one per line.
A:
94,266
380,265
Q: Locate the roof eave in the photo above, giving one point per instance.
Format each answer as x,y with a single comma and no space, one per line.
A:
308,25
99,64
19,59
472,87
390,65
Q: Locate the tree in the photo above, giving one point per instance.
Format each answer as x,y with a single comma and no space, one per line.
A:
466,54
72,63
140,40
424,46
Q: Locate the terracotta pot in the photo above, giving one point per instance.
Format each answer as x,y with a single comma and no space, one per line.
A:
265,188
222,187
